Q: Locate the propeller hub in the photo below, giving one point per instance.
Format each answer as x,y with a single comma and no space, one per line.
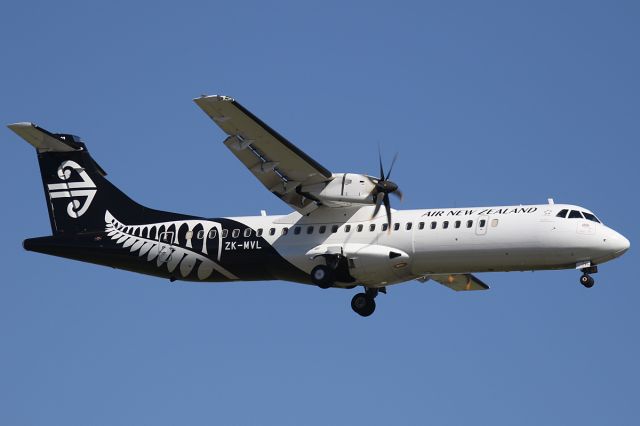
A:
387,186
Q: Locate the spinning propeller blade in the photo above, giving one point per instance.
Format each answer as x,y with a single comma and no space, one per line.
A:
384,187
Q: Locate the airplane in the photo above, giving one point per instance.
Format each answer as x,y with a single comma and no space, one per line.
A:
338,234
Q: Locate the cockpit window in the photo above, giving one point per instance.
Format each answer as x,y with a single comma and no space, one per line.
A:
591,217
575,214
562,213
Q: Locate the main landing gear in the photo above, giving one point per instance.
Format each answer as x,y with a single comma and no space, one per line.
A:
335,269
364,304
586,279
322,276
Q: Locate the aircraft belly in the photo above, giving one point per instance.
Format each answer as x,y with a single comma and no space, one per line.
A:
479,259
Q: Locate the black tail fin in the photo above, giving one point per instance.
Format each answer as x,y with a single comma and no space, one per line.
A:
78,196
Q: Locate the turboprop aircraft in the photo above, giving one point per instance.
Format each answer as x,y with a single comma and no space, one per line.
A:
337,236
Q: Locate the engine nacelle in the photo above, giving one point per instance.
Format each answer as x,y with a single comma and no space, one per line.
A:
377,265
370,264
344,189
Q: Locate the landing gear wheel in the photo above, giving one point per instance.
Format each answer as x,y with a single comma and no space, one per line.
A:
363,304
587,281
322,276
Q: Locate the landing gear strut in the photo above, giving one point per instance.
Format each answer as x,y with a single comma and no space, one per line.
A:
364,304
586,279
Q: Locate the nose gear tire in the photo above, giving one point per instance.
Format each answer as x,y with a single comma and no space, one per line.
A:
587,281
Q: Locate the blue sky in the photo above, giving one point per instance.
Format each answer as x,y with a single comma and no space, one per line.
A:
488,103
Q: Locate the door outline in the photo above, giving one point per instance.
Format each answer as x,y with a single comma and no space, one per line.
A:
165,246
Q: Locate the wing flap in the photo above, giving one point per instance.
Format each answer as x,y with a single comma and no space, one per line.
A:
460,282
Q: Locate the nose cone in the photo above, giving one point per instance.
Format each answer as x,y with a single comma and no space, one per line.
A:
624,244
619,244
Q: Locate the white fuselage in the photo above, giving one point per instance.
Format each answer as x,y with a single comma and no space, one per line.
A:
440,241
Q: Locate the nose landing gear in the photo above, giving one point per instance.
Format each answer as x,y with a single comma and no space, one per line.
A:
586,279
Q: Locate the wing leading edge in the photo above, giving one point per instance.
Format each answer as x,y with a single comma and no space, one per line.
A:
278,164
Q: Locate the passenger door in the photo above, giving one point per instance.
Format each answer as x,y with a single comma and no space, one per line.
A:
165,246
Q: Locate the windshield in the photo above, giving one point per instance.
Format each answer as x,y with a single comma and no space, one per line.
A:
577,214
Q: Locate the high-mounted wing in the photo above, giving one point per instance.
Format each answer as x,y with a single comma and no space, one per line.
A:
460,282
277,163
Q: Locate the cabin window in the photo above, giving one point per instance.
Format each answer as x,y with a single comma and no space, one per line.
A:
385,226
494,223
372,227
235,233
590,217
285,231
272,231
575,214
322,229
408,226
213,233
247,232
334,229
296,230
396,226
347,228
259,232
309,230
359,228
225,233
421,225
445,224
457,224
482,223
562,213
469,223
200,234
433,225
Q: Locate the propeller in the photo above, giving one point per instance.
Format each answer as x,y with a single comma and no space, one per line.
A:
384,187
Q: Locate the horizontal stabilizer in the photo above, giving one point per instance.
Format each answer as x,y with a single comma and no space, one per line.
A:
43,140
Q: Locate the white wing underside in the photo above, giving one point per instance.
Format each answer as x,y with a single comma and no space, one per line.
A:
458,282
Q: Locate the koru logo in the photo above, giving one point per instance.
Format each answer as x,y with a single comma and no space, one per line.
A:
86,188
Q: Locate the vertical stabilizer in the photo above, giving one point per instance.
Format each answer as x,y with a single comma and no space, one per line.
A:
76,191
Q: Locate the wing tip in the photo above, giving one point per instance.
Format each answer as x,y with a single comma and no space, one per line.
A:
213,98
20,125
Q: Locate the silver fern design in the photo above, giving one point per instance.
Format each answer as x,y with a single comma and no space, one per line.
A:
159,242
